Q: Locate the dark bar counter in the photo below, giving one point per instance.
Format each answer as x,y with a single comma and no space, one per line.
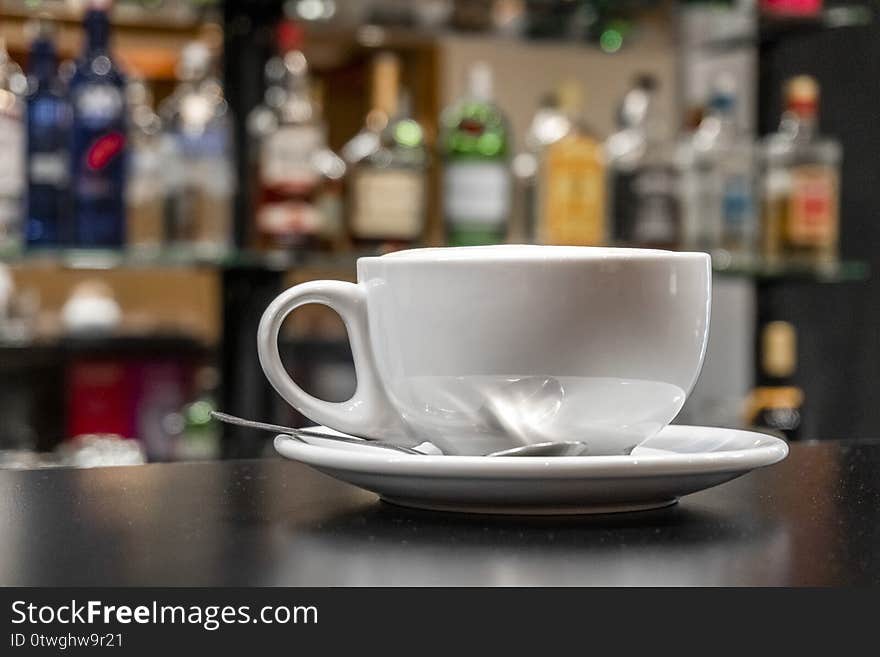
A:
813,519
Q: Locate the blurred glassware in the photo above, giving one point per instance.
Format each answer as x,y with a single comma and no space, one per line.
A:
570,191
145,192
200,439
7,290
719,179
291,161
311,11
26,459
509,17
475,143
99,450
472,15
13,85
643,177
47,218
91,308
548,125
99,143
197,157
388,166
433,14
392,13
801,185
791,8
777,403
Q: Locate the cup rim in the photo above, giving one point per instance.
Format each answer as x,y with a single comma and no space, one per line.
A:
509,253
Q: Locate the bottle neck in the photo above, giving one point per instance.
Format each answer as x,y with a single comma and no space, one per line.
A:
480,83
43,60
799,123
97,28
384,98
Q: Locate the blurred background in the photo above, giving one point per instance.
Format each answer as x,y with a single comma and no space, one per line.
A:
168,166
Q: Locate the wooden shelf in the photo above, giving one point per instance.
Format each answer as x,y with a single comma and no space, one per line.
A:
147,43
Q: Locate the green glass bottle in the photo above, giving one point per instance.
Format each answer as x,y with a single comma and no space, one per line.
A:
475,142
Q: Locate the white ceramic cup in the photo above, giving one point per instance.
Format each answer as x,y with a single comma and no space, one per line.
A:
484,348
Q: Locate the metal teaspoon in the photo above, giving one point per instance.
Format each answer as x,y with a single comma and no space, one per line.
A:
568,448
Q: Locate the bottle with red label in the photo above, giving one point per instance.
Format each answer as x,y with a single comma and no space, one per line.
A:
98,143
293,166
801,186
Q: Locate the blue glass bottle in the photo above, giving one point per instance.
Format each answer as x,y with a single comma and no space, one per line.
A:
48,136
99,141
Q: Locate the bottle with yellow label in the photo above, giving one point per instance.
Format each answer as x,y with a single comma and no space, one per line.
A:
571,194
801,191
777,404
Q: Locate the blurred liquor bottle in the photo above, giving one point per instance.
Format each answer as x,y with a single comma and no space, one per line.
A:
801,187
289,152
47,221
200,439
475,143
388,179
791,8
198,143
571,181
720,179
145,193
12,148
644,206
99,142
547,126
777,404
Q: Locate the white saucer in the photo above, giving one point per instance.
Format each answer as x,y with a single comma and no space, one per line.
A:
677,461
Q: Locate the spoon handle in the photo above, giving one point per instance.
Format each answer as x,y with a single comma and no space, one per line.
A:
251,424
299,433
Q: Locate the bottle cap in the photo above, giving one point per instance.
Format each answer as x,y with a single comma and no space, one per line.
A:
802,95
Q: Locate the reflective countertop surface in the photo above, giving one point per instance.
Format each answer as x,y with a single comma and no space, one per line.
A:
813,519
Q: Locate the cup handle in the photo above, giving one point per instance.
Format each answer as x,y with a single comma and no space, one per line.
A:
368,413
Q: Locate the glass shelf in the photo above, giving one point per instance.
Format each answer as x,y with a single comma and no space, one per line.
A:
722,263
840,271
771,29
174,257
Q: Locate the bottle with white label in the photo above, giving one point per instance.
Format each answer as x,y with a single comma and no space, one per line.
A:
387,181
475,143
48,135
801,184
197,149
290,155
12,149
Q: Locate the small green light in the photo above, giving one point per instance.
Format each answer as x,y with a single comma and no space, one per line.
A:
200,412
611,40
489,143
408,133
